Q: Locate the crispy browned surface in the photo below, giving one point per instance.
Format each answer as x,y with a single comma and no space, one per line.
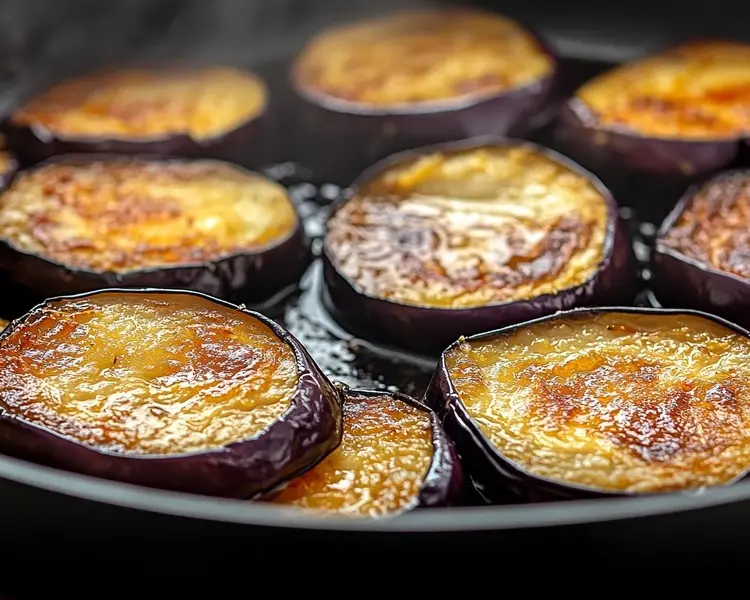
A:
203,103
714,226
3,324
146,375
696,90
457,230
130,214
379,467
644,403
422,56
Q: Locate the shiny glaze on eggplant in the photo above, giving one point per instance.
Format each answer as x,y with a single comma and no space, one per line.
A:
163,388
612,401
131,104
468,229
697,90
129,214
713,227
421,56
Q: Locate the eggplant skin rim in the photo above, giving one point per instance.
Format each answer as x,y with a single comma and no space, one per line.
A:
240,277
308,431
710,289
578,130
504,477
36,143
543,89
376,132
614,277
444,483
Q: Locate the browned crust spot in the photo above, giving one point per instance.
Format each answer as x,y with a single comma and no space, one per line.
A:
152,375
470,228
378,469
147,103
621,402
699,89
419,56
713,228
130,214
3,324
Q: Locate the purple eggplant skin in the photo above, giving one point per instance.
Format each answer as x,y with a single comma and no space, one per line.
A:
639,170
681,281
251,144
342,138
444,484
250,278
429,330
305,434
501,480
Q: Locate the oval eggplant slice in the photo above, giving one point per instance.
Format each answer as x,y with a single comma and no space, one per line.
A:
85,222
701,256
678,114
394,457
417,77
459,238
164,389
599,402
208,111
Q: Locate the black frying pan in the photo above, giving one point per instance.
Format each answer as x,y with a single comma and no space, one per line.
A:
63,514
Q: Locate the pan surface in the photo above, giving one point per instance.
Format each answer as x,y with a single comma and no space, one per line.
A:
64,509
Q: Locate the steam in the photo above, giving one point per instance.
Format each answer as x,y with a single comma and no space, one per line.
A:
49,40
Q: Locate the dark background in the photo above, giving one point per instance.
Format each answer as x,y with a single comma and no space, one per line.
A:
46,39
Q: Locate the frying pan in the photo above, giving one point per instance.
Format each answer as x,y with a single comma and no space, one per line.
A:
65,513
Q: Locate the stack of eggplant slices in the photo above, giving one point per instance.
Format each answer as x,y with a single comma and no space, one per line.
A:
125,215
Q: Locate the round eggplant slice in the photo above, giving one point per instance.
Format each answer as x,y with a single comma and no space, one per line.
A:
164,389
459,238
86,222
417,77
394,457
217,112
599,402
656,124
701,256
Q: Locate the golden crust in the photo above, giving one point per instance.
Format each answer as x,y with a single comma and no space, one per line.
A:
421,56
696,90
713,228
619,402
143,375
378,469
470,228
3,324
140,103
131,214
